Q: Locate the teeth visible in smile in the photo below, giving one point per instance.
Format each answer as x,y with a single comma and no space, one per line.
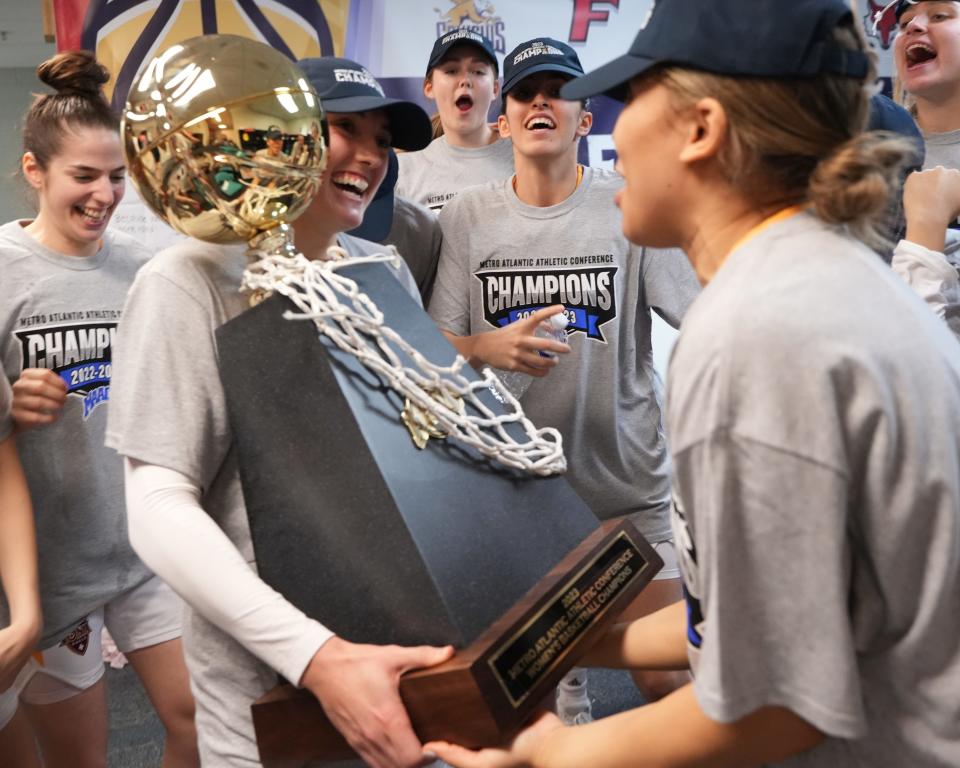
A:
351,181
95,215
540,122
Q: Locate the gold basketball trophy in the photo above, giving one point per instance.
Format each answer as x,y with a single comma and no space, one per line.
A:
462,535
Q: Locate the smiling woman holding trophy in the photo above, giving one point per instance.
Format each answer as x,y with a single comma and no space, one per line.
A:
354,461
188,136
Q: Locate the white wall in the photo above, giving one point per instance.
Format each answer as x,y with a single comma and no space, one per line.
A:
17,86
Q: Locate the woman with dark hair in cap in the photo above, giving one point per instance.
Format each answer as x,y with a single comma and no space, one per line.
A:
462,80
550,235
185,506
813,411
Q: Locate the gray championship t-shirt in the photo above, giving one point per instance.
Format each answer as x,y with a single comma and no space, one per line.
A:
435,175
61,313
942,149
169,410
814,422
502,259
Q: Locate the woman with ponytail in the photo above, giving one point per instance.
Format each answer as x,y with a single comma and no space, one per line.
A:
813,415
65,278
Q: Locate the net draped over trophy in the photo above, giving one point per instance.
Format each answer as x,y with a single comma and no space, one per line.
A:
393,494
225,140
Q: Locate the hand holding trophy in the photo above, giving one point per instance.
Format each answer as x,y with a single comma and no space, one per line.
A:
472,541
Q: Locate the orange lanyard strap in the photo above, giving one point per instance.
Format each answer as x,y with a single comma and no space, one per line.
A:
784,213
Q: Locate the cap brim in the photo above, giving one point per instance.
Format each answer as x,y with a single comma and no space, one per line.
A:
410,127
436,60
609,80
545,67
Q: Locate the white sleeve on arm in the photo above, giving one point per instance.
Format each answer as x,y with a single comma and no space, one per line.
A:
929,274
180,542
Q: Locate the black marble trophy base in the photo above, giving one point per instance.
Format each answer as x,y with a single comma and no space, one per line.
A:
381,541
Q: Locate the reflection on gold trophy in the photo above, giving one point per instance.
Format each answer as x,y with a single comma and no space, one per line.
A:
193,129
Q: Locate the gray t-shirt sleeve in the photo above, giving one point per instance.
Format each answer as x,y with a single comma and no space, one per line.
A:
416,235
450,300
768,521
167,406
6,399
669,283
408,281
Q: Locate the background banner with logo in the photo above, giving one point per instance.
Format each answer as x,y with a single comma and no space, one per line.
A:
392,38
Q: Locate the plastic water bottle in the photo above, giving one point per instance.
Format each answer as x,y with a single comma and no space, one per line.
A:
554,327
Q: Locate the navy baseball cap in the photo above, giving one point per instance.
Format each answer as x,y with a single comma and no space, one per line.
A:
345,86
461,35
542,54
378,218
764,38
274,132
901,6
887,115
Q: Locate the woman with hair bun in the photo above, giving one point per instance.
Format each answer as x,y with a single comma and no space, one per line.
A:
65,278
813,415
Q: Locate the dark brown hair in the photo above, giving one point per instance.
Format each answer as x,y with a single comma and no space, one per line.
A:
77,79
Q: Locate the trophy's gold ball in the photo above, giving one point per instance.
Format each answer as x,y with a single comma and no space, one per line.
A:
224,138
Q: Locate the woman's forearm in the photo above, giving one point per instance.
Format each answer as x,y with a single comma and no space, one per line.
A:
657,641
18,544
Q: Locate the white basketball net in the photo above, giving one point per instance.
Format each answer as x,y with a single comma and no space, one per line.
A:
446,401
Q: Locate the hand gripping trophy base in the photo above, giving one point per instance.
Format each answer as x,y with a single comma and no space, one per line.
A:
484,694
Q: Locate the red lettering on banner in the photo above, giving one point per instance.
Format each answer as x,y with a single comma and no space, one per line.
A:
69,16
584,14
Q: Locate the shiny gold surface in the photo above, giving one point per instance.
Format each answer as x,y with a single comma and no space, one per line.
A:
423,424
195,138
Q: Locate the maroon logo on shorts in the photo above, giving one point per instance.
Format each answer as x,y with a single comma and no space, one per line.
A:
79,639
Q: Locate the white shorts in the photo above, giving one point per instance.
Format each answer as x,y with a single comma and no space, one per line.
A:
139,618
668,553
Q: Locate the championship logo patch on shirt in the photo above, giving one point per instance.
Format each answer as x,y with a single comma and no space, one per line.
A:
78,640
79,352
588,294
